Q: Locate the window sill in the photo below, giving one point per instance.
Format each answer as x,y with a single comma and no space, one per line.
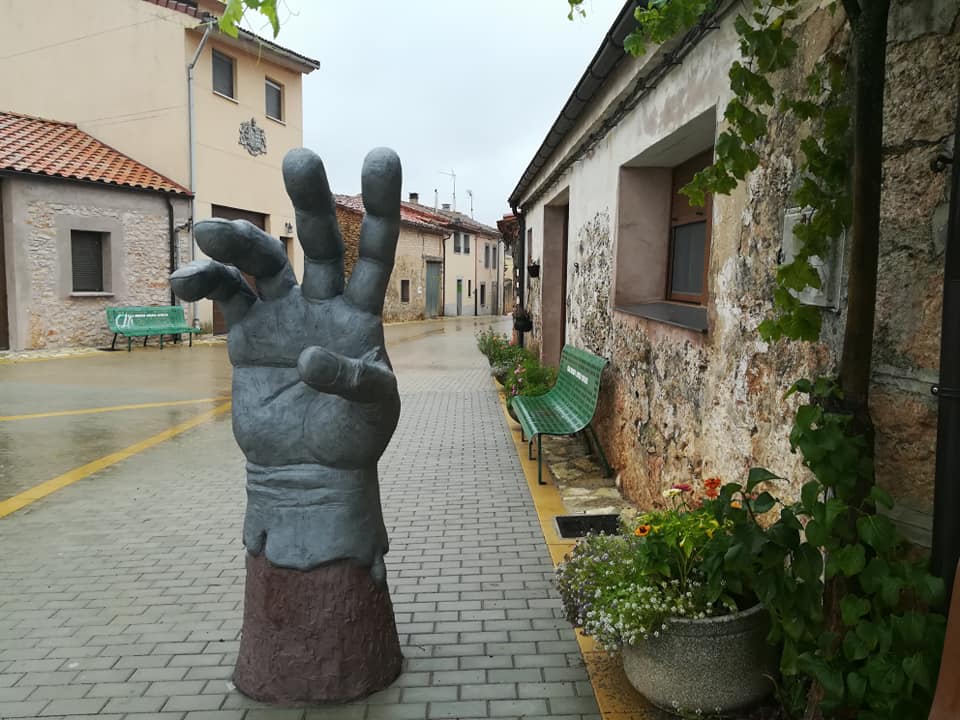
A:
91,294
276,120
226,97
689,317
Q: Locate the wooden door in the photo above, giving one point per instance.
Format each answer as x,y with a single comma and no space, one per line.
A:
229,213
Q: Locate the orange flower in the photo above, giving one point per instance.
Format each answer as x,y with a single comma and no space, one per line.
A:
642,531
712,483
712,492
735,504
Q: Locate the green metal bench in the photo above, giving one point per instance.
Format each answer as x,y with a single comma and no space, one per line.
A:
568,406
144,322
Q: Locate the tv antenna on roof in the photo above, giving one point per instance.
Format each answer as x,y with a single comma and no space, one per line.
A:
470,195
453,175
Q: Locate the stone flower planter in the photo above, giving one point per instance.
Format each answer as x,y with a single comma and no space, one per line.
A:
716,664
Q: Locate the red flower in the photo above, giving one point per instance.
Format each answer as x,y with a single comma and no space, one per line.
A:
683,487
712,492
712,483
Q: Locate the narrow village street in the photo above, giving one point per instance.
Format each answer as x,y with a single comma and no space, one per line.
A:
121,591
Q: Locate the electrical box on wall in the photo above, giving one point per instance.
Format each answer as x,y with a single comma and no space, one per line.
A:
830,269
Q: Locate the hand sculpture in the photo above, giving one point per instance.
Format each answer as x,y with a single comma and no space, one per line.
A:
315,401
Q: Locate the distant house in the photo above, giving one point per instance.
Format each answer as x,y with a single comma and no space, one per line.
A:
415,291
119,70
473,262
83,227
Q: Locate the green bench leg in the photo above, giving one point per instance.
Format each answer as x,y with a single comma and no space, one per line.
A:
129,342
145,338
603,458
540,460
190,335
113,345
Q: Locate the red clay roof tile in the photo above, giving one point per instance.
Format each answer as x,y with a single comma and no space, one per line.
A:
58,149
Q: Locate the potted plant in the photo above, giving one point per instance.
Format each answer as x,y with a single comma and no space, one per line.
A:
527,377
693,636
533,268
522,322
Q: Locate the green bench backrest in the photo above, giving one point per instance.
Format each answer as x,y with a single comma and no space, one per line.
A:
578,382
144,318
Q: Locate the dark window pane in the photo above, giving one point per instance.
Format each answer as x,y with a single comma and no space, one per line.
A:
404,291
466,243
494,257
86,255
222,74
486,256
456,242
274,101
686,275
483,293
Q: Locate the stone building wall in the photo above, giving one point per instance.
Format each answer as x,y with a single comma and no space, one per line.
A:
45,313
412,246
678,405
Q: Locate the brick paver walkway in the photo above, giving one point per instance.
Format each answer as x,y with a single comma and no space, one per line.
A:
121,595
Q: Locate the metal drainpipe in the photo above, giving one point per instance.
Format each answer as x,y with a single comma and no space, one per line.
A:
946,496
522,261
173,246
192,143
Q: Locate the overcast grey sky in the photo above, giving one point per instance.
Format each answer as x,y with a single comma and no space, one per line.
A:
449,84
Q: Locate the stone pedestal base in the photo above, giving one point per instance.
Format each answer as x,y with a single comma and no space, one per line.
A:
326,635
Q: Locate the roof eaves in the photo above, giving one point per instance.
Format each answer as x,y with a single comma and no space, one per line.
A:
608,56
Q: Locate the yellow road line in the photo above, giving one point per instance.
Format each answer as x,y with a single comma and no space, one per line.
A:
68,478
112,408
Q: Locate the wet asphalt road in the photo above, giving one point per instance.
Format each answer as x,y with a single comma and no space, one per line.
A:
39,443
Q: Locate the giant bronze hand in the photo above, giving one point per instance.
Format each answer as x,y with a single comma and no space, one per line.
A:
315,400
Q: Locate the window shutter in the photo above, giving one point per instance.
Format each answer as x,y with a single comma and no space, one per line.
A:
222,74
274,100
86,256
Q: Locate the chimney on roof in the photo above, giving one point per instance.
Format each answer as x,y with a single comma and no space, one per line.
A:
445,206
415,198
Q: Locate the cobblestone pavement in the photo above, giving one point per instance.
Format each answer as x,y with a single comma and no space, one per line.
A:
121,594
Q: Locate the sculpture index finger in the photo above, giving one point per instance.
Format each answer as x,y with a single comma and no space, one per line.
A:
380,184
317,228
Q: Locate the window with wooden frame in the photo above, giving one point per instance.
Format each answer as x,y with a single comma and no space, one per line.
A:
86,261
274,100
486,255
457,248
483,294
404,291
689,248
466,244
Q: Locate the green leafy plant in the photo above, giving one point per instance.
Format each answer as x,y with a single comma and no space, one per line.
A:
666,564
528,377
876,657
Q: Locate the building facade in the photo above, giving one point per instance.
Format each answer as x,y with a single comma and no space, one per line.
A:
118,70
82,227
415,291
473,259
673,294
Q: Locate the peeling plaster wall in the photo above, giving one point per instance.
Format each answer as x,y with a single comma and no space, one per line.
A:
677,404
44,313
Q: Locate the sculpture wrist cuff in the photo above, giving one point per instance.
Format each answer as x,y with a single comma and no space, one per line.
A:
304,516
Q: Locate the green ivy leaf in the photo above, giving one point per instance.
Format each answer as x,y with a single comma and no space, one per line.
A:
816,534
852,608
764,503
856,687
878,532
759,475
853,647
835,509
849,560
881,497
915,667
810,495
830,678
